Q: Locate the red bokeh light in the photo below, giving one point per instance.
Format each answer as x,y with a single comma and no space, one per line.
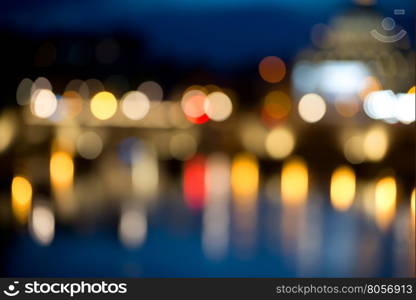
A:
194,182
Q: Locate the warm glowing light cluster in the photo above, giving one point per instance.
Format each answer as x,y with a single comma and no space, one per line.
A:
342,188
371,145
294,182
61,169
375,143
21,198
199,103
199,106
245,179
385,201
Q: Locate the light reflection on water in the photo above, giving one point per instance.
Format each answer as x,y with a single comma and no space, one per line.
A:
231,215
324,243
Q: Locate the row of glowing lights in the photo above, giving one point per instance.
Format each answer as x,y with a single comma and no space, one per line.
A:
217,106
201,104
197,103
279,143
385,105
207,181
350,87
135,105
378,105
369,145
197,106
277,106
392,108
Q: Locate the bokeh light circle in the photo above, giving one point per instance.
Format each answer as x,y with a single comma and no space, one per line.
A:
182,146
277,105
135,105
44,103
272,69
103,105
152,90
218,106
280,143
193,106
312,108
89,145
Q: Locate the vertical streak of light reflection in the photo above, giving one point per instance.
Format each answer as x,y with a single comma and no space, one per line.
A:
215,235
194,182
145,172
42,223
21,198
244,184
61,169
132,227
294,193
385,201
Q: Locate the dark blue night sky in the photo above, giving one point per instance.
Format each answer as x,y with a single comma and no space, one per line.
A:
224,33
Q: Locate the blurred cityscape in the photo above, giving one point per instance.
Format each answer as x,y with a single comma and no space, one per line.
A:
292,158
